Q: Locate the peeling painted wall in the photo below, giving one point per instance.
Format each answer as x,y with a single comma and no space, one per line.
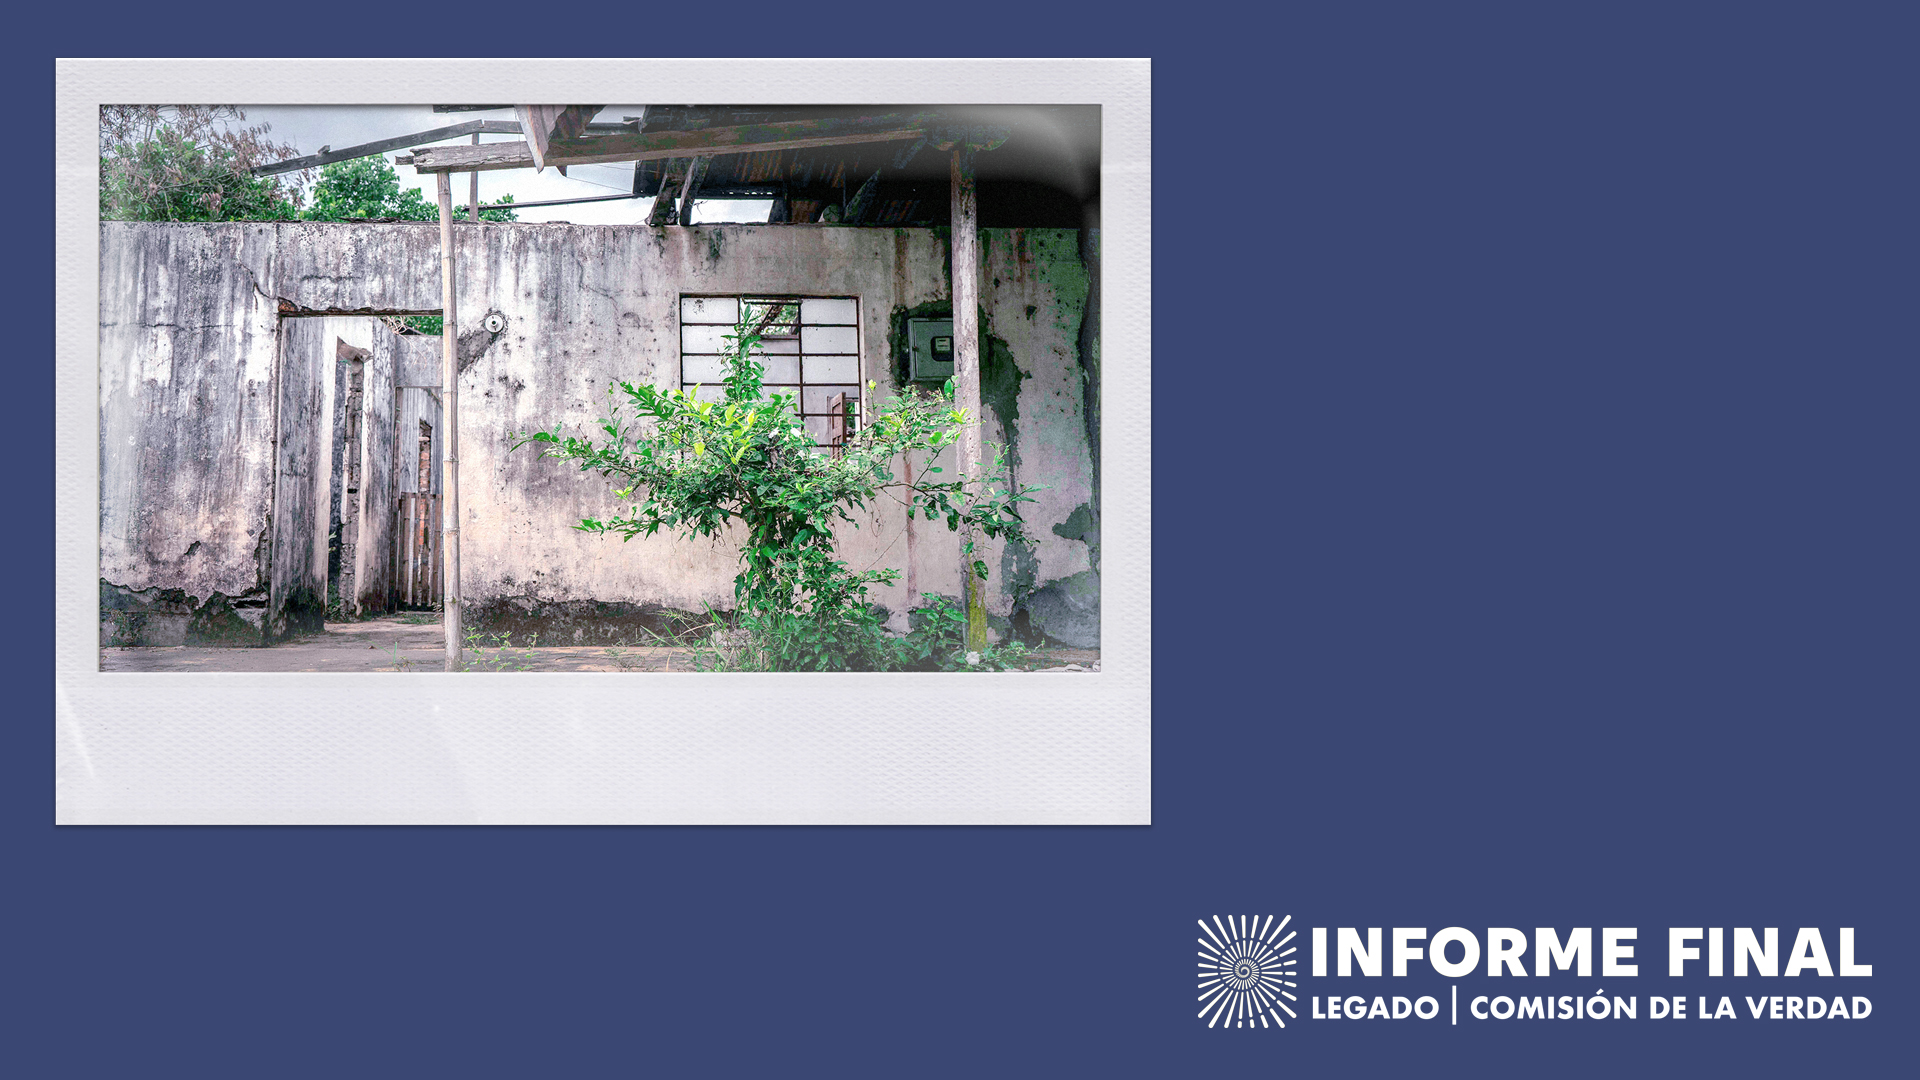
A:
584,307
1037,295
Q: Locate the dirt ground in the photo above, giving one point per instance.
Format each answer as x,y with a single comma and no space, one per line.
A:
395,645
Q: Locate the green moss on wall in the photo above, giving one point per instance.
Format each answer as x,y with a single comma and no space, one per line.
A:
1080,525
1083,525
1000,380
1000,375
898,362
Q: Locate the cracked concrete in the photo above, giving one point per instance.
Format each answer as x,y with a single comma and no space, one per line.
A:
212,406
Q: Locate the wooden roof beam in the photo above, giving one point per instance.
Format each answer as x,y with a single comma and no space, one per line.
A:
402,142
655,145
547,125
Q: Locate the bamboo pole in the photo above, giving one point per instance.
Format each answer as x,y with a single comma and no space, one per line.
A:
966,366
473,201
450,423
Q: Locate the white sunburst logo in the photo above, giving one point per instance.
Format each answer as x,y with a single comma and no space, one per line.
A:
1246,967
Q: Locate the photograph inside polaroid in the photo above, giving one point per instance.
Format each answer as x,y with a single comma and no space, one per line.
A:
628,388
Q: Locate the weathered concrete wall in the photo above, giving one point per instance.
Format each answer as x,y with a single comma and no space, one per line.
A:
187,352
297,597
373,573
585,307
577,325
1036,378
417,377
341,340
417,405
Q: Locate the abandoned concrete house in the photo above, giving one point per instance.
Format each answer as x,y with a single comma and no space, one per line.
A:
271,433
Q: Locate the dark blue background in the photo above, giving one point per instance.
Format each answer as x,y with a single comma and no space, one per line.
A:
1535,546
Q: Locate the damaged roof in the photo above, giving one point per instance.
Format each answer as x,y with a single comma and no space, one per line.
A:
1038,166
1046,173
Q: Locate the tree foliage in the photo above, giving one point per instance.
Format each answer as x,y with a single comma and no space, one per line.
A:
696,468
370,188
195,162
189,163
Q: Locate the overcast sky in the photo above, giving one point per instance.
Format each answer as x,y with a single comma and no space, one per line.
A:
309,127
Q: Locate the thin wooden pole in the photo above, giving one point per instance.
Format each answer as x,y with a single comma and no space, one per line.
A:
450,422
473,203
966,366
433,567
913,580
404,521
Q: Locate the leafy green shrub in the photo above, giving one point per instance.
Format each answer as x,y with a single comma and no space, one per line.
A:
937,633
696,467
937,642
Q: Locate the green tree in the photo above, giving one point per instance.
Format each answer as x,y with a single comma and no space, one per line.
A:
369,188
695,467
189,163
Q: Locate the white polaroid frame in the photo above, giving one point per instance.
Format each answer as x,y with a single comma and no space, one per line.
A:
551,748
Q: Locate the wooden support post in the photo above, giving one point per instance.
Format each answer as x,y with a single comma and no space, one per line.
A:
966,366
473,202
664,204
696,171
913,579
450,425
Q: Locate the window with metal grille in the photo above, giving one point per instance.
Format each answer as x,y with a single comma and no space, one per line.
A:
810,346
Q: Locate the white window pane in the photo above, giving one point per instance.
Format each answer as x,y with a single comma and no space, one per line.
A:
781,369
816,398
711,393
817,427
709,309
704,339
703,369
828,312
833,369
830,339
778,345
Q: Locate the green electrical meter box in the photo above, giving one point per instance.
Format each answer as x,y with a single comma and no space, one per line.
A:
931,345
